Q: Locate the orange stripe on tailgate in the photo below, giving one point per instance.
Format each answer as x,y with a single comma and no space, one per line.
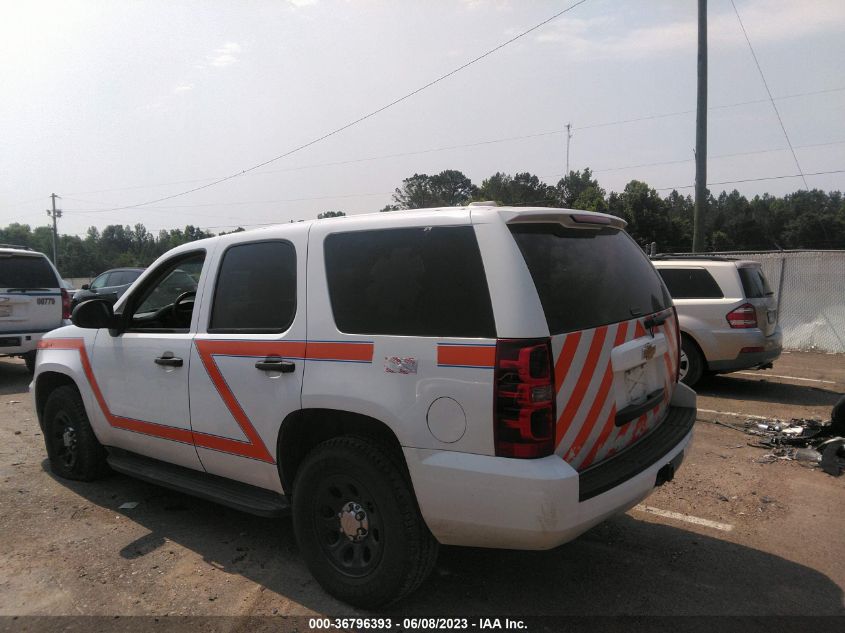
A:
639,330
605,432
583,383
564,361
360,352
466,355
598,404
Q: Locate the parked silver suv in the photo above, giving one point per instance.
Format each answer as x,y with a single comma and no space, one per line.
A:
727,313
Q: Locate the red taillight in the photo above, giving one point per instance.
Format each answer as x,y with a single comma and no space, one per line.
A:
65,304
678,343
524,398
745,316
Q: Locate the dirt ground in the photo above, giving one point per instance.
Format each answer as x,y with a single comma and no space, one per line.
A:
67,549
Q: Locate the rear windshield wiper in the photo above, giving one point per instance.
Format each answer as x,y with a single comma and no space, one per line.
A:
27,290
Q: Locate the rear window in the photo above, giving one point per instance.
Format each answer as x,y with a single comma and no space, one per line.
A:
21,271
690,283
587,277
411,282
754,283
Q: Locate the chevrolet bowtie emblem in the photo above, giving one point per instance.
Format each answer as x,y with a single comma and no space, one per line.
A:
648,351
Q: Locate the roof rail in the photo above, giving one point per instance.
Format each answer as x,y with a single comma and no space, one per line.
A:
20,246
710,256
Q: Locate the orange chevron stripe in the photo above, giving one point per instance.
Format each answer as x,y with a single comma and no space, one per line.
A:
584,379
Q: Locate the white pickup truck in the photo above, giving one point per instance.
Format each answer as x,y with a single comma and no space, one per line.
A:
482,376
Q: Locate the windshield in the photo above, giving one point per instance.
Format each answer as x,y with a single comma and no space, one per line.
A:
587,277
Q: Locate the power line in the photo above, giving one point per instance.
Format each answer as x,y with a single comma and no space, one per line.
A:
506,139
364,117
769,92
736,182
690,160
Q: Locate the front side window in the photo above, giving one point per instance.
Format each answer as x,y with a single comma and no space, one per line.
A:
166,302
426,281
100,282
256,289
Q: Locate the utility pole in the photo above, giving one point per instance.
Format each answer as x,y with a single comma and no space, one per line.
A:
568,138
701,133
55,213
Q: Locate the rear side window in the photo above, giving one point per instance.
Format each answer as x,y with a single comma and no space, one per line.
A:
690,283
256,289
588,277
754,283
21,271
410,282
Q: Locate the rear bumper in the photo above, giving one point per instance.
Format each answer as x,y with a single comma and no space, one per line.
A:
772,347
16,343
483,501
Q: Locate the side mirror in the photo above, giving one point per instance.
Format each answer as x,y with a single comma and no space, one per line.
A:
85,286
94,314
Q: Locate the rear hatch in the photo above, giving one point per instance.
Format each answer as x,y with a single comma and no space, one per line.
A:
30,294
613,329
760,295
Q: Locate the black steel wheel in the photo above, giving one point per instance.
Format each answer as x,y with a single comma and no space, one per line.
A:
691,362
73,449
358,525
29,360
348,524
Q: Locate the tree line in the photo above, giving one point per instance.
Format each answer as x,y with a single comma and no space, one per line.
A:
805,219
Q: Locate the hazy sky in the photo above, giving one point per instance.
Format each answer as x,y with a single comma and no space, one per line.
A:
115,103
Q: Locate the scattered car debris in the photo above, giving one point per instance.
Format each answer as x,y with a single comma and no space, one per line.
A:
833,456
809,440
129,505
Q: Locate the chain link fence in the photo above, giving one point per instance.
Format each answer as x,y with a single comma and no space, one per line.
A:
810,289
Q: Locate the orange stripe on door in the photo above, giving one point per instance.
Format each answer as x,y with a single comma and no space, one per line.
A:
354,352
466,355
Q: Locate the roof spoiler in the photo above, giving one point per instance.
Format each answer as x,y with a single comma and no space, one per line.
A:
571,217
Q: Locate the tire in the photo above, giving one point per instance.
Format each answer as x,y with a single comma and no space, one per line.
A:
29,359
73,449
380,550
691,362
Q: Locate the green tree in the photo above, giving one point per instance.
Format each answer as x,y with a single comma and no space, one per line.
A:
579,190
330,214
523,189
449,188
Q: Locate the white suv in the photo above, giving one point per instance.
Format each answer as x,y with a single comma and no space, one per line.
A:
727,311
480,376
33,301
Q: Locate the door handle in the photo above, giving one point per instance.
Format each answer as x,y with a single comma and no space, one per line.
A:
168,361
276,364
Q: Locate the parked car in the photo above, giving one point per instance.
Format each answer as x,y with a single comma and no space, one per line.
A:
33,301
727,311
109,285
479,376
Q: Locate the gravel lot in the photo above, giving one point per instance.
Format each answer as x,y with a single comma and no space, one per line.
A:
68,550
